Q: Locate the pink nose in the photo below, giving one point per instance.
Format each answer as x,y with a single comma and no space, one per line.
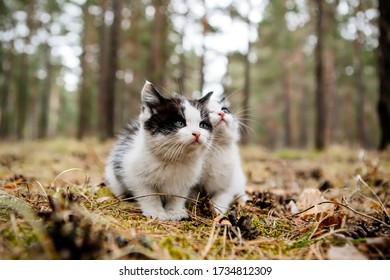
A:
221,114
196,135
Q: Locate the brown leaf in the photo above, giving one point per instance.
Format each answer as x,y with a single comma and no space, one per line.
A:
14,182
222,220
312,197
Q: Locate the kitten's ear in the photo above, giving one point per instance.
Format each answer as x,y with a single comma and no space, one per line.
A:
150,95
205,99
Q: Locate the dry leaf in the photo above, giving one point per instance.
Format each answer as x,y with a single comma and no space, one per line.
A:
222,220
312,197
17,180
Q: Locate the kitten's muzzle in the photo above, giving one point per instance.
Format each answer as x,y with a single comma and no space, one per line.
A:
196,134
222,117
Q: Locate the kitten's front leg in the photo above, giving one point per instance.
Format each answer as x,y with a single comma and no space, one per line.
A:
175,208
151,206
222,201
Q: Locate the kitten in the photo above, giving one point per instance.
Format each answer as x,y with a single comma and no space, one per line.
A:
223,177
162,152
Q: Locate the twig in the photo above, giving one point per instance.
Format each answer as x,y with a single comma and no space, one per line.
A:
359,178
68,170
41,186
211,241
318,224
346,206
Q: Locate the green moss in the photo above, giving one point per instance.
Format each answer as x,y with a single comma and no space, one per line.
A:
102,192
303,241
188,227
271,227
176,247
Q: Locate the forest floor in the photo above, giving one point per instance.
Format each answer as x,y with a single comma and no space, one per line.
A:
303,205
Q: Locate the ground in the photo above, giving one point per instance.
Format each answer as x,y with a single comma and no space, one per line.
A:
303,205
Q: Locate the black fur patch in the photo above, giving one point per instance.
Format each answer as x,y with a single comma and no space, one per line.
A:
204,114
167,113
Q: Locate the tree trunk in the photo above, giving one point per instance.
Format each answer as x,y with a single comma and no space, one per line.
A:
45,95
133,95
303,105
84,103
23,86
102,97
331,105
384,73
5,118
288,139
321,104
360,89
22,96
113,67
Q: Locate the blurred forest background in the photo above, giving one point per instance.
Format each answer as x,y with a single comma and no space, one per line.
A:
301,73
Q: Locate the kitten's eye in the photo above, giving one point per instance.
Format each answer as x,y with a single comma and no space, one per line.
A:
180,124
204,125
225,110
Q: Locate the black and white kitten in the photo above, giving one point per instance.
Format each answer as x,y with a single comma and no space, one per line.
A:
223,177
162,152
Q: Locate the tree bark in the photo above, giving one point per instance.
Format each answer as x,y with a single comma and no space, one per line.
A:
5,118
384,73
22,86
102,96
330,92
113,67
287,108
361,91
45,96
22,96
133,94
303,105
84,102
321,103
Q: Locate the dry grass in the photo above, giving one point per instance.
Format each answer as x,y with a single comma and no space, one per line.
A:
53,205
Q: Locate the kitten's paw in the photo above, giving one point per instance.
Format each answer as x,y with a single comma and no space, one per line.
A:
177,215
155,215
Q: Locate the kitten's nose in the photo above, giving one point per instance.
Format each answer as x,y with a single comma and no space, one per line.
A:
221,114
196,135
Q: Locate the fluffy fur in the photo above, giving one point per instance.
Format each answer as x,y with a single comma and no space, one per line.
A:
223,177
162,152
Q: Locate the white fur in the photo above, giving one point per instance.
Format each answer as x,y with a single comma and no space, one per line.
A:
161,164
223,177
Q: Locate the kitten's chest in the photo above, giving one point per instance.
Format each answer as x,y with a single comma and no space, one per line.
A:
169,177
219,165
